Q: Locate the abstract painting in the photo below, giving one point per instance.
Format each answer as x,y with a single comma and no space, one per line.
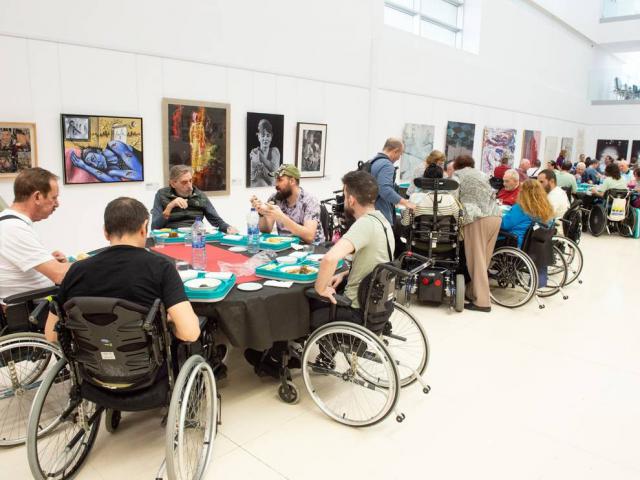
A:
550,149
459,139
17,148
615,149
311,149
531,145
265,137
496,143
418,143
197,134
567,145
99,149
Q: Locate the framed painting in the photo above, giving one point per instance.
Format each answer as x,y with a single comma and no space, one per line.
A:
616,149
100,149
418,143
197,134
265,138
311,149
566,144
459,139
550,149
496,143
635,151
17,148
531,146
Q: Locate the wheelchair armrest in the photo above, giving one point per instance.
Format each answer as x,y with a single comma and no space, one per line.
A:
153,311
30,295
341,300
35,314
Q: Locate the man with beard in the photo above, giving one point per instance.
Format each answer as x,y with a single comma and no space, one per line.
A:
294,211
181,202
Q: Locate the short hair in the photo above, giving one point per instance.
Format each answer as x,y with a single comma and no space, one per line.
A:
463,161
123,216
612,170
580,164
362,186
512,173
32,180
433,171
549,175
265,124
179,170
566,165
392,143
636,172
434,157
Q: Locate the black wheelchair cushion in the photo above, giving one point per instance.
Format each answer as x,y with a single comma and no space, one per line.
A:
153,396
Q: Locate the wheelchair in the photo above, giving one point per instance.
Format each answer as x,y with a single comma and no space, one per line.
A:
599,218
119,356
437,237
354,372
514,273
25,358
332,218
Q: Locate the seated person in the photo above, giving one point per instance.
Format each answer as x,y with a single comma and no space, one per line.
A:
436,158
625,172
533,171
523,169
579,173
532,205
508,194
294,211
591,174
564,179
557,196
25,264
181,202
612,180
423,200
635,202
127,271
499,171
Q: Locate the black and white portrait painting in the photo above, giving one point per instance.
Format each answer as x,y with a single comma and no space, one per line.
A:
311,149
77,128
265,136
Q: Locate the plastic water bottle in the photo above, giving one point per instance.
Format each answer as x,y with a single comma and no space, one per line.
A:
198,246
253,233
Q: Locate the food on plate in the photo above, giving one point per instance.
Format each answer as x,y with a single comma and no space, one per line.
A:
173,234
302,270
276,240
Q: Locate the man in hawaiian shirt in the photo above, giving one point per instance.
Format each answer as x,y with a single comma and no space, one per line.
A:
294,211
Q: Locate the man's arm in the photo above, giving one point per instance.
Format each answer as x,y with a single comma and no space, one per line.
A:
185,320
307,231
214,219
265,224
386,188
158,220
328,267
54,270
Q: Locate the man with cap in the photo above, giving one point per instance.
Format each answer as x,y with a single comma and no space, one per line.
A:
294,211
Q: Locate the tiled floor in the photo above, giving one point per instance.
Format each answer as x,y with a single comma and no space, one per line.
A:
516,394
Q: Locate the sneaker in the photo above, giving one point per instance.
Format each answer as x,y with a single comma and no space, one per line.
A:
220,352
263,363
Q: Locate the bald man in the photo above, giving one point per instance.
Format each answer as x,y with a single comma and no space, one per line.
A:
522,170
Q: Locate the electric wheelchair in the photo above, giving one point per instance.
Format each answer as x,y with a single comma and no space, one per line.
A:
25,358
119,356
437,237
354,372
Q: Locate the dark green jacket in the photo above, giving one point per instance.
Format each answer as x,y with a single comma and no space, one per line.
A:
198,206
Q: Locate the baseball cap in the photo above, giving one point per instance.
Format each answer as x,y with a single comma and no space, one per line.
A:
286,169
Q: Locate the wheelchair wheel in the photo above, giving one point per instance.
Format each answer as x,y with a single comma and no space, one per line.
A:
192,421
112,419
597,220
513,278
24,358
71,423
337,361
557,274
407,342
572,255
628,225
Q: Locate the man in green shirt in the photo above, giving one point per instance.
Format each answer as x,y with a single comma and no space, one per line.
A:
564,179
369,239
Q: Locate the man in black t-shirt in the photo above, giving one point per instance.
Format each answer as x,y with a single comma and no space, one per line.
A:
127,271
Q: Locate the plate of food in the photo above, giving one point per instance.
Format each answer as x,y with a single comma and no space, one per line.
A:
162,230
276,240
171,235
300,270
203,283
287,260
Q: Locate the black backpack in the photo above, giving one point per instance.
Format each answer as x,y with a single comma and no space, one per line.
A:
366,166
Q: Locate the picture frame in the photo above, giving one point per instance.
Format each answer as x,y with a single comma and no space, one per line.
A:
197,134
18,148
265,142
111,152
311,149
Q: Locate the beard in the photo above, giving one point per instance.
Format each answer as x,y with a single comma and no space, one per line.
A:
283,194
349,218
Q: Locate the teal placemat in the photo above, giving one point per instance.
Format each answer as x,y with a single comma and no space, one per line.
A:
209,295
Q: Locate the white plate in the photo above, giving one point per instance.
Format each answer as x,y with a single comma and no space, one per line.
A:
238,249
287,260
219,275
249,286
298,254
203,283
187,274
275,240
166,235
315,257
292,270
233,237
184,229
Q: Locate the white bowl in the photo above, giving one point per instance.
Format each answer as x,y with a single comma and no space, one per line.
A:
288,260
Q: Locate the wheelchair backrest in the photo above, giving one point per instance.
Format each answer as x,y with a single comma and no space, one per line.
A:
617,193
324,221
538,244
109,344
376,294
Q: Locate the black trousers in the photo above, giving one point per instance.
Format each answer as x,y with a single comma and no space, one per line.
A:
321,312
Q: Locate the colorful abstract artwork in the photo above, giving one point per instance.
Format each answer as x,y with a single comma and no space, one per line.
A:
197,134
99,149
531,145
17,148
459,139
496,143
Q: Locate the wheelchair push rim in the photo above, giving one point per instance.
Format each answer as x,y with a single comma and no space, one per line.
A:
513,278
24,359
572,255
557,274
336,361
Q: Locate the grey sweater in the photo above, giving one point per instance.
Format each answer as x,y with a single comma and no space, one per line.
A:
476,195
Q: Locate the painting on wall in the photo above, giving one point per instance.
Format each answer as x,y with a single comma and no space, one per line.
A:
615,149
550,149
265,137
531,146
459,139
567,145
17,148
635,151
197,134
496,143
418,143
311,149
99,149
580,142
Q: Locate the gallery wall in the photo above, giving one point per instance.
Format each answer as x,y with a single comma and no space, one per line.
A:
328,62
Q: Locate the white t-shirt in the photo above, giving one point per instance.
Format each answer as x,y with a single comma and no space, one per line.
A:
20,251
560,204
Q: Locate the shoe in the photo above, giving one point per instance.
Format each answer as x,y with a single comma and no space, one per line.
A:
263,363
220,372
221,352
473,306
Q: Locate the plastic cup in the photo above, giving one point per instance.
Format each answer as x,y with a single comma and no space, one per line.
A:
159,242
187,239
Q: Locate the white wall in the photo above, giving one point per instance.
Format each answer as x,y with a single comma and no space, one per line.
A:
331,62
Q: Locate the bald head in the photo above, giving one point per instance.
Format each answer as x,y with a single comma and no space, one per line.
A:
624,166
393,148
511,179
525,164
